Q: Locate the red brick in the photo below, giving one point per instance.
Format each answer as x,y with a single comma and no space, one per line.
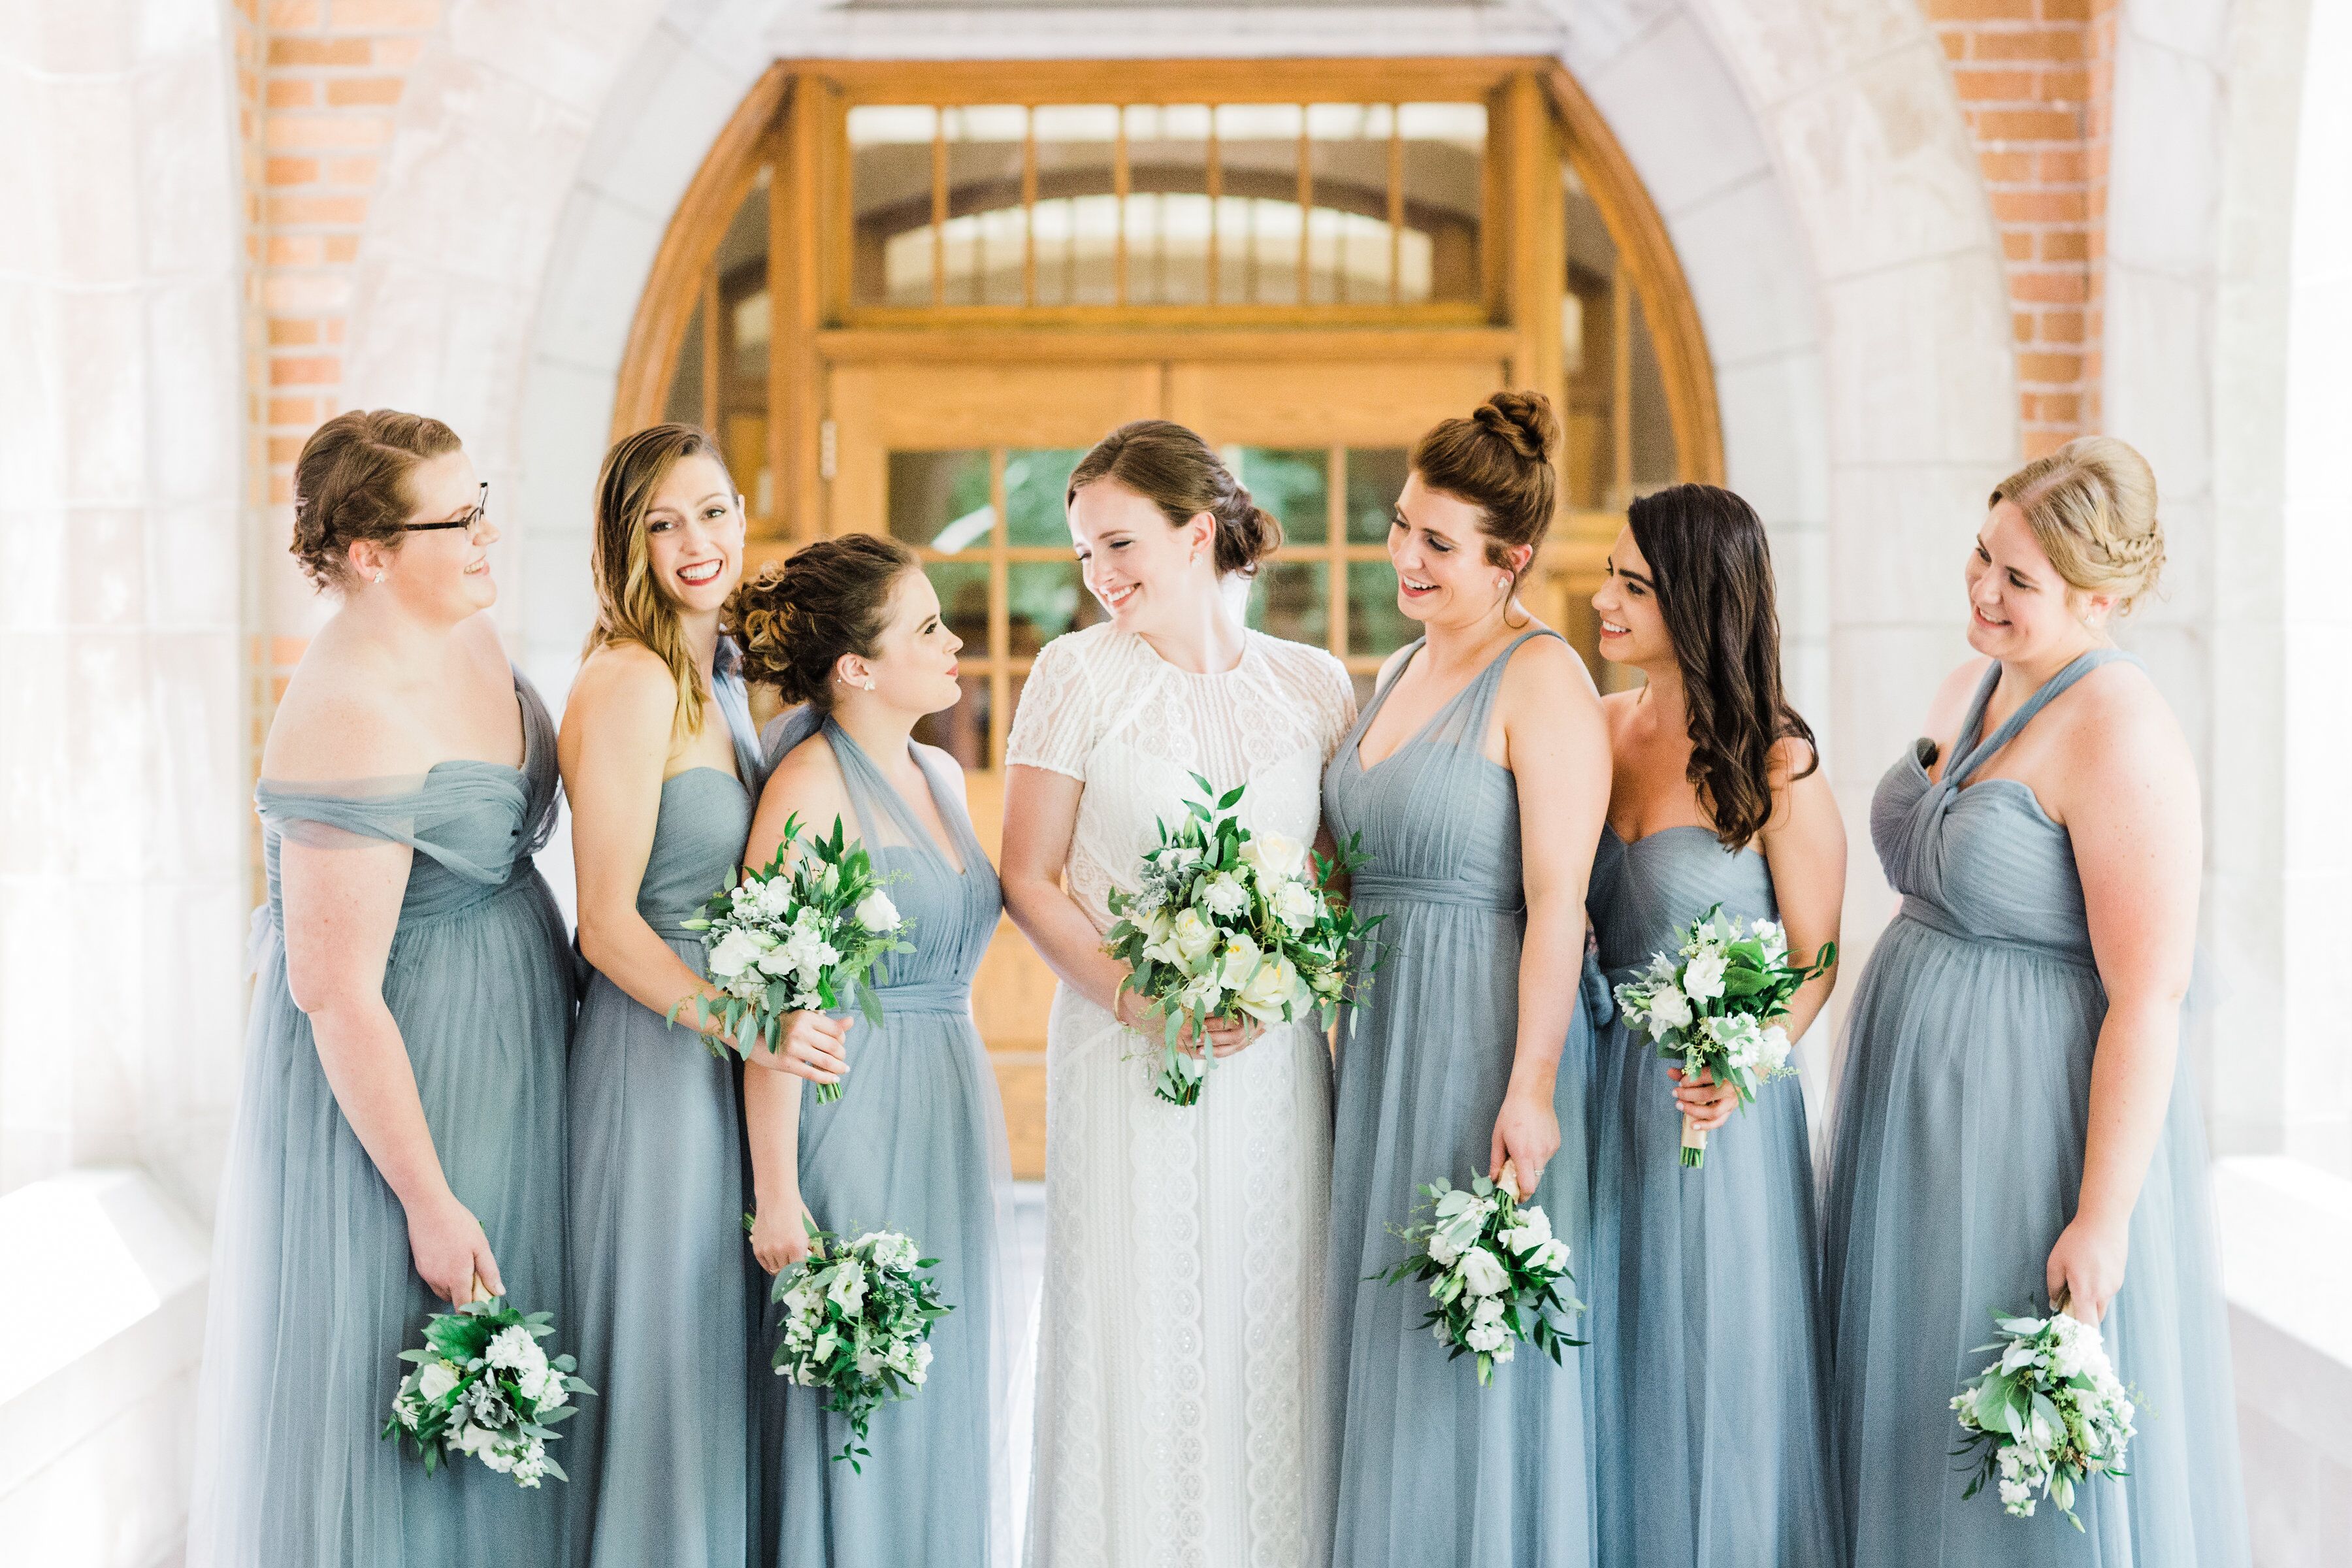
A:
342,248
328,131
285,448
312,370
2003,168
296,250
296,210
285,333
291,92
2039,206
303,411
2064,244
2065,10
2049,368
2060,326
1976,85
1978,10
292,15
2061,167
386,16
2039,44
352,91
2017,245
319,51
2026,124
2071,286
398,53
2041,443
290,170
350,171
2067,85
2020,326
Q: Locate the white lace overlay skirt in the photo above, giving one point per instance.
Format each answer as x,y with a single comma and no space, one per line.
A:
1184,1288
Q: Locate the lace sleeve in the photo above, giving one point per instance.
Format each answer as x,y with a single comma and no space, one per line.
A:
1341,716
1055,725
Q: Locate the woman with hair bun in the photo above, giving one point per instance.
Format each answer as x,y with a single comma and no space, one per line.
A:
662,769
849,629
1709,1357
399,1138
2015,1123
1478,778
1184,1245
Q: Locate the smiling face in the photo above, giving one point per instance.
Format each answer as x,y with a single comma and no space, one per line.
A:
443,574
694,535
1445,573
1633,623
1146,574
913,665
2020,608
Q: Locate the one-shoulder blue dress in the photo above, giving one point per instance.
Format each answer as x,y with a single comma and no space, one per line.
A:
314,1294
1957,1161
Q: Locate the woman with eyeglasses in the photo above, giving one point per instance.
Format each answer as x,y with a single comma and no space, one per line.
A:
662,768
400,1135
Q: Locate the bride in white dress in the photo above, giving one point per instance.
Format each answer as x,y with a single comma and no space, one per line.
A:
1184,1246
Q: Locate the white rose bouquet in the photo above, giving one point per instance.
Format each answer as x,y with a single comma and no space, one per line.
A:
1495,1272
1706,1006
857,1322
2046,1416
802,936
1226,921
483,1386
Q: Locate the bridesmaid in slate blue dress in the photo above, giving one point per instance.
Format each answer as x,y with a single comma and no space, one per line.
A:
849,629
1711,1436
400,1132
1477,776
662,768
2015,1123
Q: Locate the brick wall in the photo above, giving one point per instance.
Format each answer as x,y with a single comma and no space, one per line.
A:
2035,80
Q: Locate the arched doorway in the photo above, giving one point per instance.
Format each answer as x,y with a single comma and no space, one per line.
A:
907,295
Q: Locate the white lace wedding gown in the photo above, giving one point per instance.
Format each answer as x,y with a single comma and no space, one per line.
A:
1184,1247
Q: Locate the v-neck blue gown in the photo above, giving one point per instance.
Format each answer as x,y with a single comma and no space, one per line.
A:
1420,1466
314,1293
661,1459
1959,1159
915,1145
1711,1435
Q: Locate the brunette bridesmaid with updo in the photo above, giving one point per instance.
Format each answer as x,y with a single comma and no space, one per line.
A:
850,630
662,769
399,1141
2016,1131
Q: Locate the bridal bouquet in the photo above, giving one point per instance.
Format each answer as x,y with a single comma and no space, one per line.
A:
2048,1415
483,1386
1225,920
1494,1271
801,936
857,1322
1706,1007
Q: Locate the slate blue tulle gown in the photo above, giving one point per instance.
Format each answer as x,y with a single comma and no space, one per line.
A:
661,1463
314,1294
916,1144
1421,1465
1957,1158
1711,1438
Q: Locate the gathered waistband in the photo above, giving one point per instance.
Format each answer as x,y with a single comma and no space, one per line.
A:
1920,911
1432,891
924,996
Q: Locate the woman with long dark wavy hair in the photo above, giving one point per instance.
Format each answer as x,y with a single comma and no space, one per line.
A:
1709,1357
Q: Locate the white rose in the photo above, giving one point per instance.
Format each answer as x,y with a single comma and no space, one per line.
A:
848,1290
775,898
870,1363
1703,977
513,1348
1442,1249
1486,1337
475,1441
1296,906
1669,1009
1241,961
1532,1231
1551,1258
1775,1048
1274,857
876,912
1489,1309
1482,1273
1274,991
1192,935
437,1380
737,952
1225,895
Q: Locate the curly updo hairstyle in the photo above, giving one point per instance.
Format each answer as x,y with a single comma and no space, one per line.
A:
1713,573
1175,471
1499,461
795,621
2092,506
350,483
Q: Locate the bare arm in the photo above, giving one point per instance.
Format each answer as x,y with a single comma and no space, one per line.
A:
1557,746
616,746
1804,843
2130,804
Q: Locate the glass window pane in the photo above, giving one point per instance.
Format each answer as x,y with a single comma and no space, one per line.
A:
1078,208
939,501
1043,600
1375,479
961,731
1167,203
1257,221
1293,484
1445,157
1346,246
1375,625
890,199
1036,478
962,589
684,403
1292,599
742,416
986,230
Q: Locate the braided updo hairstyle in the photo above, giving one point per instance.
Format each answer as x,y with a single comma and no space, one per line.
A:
1182,474
796,620
2091,507
1498,460
350,483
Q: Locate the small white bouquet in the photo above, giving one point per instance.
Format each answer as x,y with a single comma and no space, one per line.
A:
801,935
1225,921
857,1322
482,1386
2047,1416
1494,1271
1706,1005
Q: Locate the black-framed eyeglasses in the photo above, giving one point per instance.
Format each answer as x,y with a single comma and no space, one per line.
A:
470,521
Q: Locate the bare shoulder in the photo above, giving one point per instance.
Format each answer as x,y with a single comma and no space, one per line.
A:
479,635
1953,695
1792,757
336,721
624,680
943,761
2118,725
808,778
1546,670
1617,708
